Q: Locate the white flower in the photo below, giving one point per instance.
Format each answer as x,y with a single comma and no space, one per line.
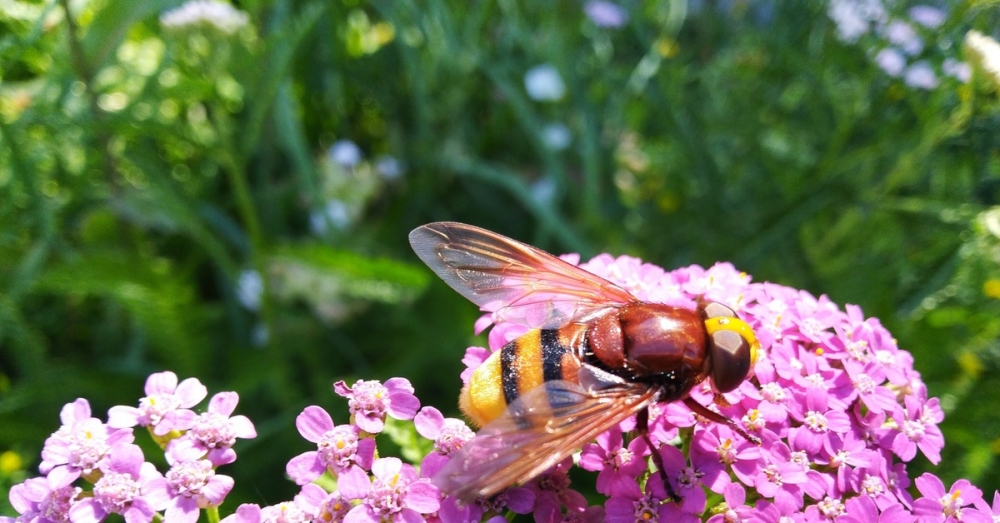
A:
891,61
605,14
927,16
389,168
543,83
345,153
335,213
249,288
961,71
985,53
921,75
543,191
902,35
220,15
556,136
854,17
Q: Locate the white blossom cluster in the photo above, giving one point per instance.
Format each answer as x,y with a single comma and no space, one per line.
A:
985,51
898,45
220,15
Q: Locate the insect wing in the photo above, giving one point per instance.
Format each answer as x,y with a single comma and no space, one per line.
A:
517,282
537,431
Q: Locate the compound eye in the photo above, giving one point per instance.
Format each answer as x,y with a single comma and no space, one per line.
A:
714,309
731,358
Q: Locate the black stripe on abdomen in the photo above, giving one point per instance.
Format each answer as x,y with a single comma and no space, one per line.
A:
552,355
508,371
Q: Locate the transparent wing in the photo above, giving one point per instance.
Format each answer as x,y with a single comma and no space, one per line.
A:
537,431
515,281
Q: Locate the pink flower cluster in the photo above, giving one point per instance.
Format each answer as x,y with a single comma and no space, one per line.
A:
86,453
837,406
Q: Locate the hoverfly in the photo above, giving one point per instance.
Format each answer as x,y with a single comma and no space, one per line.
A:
595,356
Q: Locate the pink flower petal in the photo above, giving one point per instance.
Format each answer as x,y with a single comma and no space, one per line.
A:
403,405
61,476
87,511
361,514
161,383
313,423
386,467
428,422
243,427
175,420
370,424
71,413
353,483
407,515
191,392
139,512
342,389
304,468
248,513
423,497
224,403
217,488
157,493
365,453
184,510
121,416
399,385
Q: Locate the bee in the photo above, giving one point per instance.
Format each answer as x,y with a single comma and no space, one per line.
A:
595,356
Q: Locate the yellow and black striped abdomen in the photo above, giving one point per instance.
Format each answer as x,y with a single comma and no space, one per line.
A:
521,365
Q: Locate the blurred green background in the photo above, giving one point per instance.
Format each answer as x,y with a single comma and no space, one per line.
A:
231,202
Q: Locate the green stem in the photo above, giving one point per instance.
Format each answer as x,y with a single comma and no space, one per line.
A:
235,168
86,74
213,514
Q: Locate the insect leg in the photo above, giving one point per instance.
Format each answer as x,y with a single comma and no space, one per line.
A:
705,412
642,425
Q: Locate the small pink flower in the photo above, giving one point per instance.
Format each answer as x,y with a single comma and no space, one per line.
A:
125,487
449,434
213,433
940,506
339,449
322,506
188,487
80,445
396,494
918,429
36,502
619,466
165,407
370,401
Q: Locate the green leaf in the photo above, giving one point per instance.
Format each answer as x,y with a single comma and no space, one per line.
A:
404,434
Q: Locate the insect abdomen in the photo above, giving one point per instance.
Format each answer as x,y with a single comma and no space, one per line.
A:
525,363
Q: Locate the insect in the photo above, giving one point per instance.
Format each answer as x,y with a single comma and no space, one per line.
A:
595,356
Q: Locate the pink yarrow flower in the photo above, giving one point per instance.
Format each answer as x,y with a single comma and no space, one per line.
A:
188,487
125,487
395,494
213,433
339,449
619,466
36,502
838,404
80,445
370,401
939,505
322,506
165,407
